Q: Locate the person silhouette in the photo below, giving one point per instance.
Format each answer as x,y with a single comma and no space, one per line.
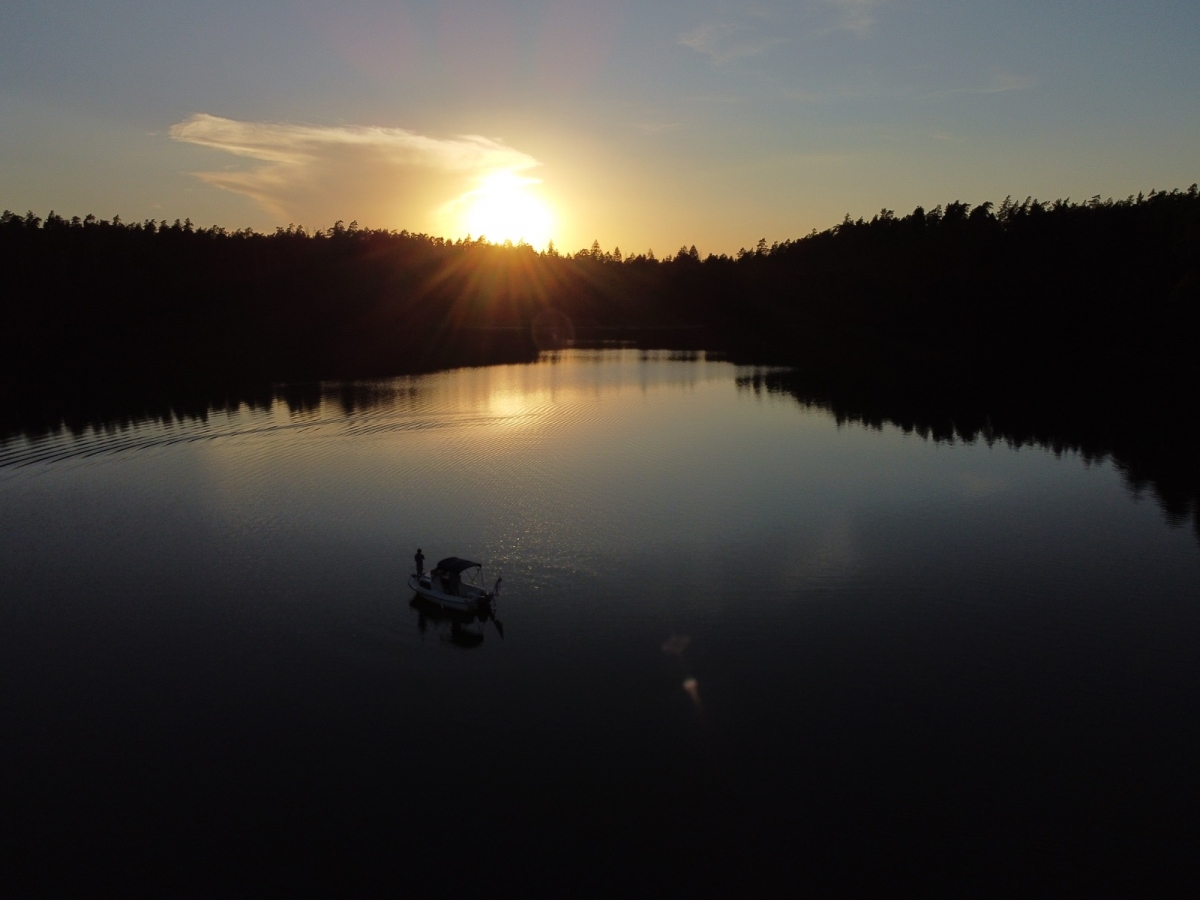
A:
420,561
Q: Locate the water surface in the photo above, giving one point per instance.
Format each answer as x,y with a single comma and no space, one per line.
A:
741,643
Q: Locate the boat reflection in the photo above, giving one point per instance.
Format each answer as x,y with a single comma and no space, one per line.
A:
455,627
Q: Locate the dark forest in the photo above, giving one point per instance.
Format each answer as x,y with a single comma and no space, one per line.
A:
1069,325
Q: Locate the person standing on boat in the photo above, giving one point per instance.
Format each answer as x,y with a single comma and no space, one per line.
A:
419,559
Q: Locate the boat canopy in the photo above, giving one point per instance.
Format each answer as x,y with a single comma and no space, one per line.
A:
456,565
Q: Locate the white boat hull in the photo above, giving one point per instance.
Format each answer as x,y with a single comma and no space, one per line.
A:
469,598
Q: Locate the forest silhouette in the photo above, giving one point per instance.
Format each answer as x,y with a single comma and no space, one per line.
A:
1068,325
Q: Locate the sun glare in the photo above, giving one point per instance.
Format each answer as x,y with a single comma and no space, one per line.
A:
503,208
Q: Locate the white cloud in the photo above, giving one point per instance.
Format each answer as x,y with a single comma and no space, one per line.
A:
725,42
380,176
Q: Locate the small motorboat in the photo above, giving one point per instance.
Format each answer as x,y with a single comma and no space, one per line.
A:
455,584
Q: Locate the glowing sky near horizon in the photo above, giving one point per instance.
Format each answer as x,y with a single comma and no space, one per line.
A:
641,125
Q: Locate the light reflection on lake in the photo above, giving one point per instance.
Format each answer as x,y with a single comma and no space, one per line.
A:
731,626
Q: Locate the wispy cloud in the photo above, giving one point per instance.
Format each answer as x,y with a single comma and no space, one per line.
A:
854,15
385,176
875,89
724,42
755,30
1000,83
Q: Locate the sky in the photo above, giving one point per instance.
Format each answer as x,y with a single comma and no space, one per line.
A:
648,125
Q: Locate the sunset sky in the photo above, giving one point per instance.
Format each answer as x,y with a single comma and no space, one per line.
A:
643,125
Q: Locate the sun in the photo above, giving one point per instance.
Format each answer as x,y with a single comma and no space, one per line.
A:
503,208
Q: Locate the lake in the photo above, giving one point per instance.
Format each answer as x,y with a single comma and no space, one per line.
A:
739,645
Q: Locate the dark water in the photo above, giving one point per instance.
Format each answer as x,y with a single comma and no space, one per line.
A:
743,646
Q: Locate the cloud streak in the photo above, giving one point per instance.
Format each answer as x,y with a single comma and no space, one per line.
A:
758,31
855,15
726,42
384,176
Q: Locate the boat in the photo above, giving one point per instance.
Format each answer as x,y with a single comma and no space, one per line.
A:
455,584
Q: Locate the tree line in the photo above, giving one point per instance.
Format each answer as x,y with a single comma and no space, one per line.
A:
1072,325
1016,299
1097,285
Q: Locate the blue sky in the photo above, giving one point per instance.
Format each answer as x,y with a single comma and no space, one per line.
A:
644,125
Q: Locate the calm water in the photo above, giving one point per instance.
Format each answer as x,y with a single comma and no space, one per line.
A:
742,645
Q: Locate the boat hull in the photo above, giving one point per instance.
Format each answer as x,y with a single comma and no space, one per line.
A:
429,590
